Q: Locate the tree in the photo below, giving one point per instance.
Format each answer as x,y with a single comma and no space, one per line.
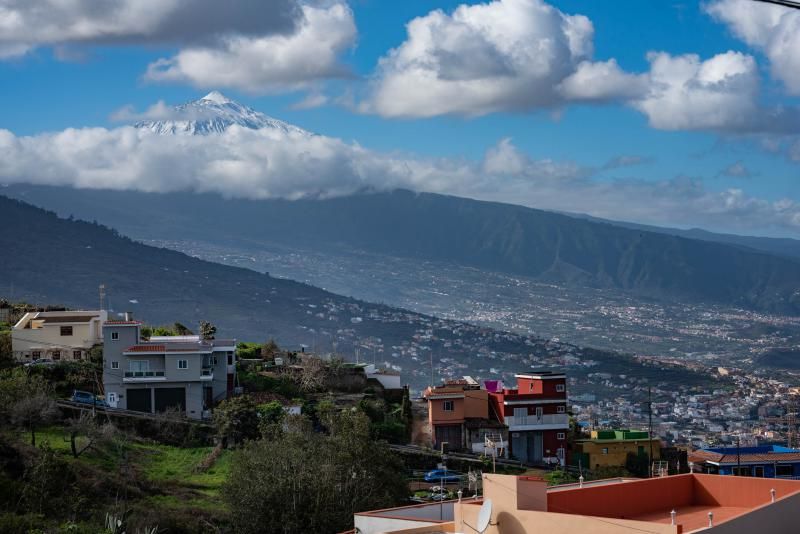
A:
181,330
92,433
313,376
207,330
237,420
313,482
270,349
34,411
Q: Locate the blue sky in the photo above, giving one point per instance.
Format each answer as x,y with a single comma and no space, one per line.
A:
62,82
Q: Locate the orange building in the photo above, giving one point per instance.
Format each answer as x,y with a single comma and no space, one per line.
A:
677,504
458,415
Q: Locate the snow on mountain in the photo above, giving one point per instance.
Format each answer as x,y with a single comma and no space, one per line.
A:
213,114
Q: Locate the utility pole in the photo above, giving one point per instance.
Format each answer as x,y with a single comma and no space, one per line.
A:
738,457
650,426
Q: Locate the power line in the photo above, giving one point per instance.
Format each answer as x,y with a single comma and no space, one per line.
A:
784,3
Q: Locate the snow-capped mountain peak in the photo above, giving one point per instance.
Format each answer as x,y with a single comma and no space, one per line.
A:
213,114
216,96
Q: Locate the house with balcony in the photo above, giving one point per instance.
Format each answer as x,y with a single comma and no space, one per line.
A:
152,375
535,413
57,335
458,415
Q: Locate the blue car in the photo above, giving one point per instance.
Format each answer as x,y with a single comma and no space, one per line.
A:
442,475
84,397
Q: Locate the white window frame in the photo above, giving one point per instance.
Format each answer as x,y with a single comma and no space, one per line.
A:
114,336
560,388
115,365
539,412
447,403
561,436
112,397
561,409
185,365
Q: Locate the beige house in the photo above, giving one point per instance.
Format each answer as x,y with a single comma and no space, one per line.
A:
57,335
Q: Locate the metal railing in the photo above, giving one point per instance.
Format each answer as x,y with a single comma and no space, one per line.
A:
143,374
533,420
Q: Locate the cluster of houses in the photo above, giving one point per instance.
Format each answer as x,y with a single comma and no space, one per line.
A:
187,373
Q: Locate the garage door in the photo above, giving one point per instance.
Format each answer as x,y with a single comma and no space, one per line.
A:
170,398
139,400
450,434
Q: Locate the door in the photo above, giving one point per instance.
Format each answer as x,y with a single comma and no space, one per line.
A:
519,445
450,434
112,399
139,400
170,398
520,416
535,447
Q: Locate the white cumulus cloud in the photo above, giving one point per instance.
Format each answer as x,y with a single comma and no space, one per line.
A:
271,163
505,55
269,63
773,29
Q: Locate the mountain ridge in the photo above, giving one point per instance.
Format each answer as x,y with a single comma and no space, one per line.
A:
499,237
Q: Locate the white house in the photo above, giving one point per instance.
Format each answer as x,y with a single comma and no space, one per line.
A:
57,335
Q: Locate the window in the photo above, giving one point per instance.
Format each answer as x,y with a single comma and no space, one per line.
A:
531,386
520,416
139,365
112,397
561,409
230,358
66,330
114,336
115,365
36,355
76,355
448,406
604,450
539,412
784,471
56,354
183,364
560,388
561,436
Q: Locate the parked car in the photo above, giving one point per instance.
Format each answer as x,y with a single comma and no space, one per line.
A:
442,475
85,397
40,361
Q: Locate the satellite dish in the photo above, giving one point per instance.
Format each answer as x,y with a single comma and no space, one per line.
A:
484,516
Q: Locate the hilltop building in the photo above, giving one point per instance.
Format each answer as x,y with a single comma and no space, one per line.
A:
57,335
677,504
768,461
535,413
184,372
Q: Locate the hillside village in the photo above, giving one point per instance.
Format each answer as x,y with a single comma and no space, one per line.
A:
539,421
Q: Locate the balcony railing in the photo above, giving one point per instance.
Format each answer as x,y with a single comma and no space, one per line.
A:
543,422
144,374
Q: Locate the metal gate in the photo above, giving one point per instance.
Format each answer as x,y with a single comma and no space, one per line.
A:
139,400
170,398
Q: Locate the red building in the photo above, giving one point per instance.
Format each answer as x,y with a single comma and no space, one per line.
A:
535,413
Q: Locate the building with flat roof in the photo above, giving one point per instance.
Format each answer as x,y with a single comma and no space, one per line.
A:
57,335
610,448
151,375
535,413
767,461
679,504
